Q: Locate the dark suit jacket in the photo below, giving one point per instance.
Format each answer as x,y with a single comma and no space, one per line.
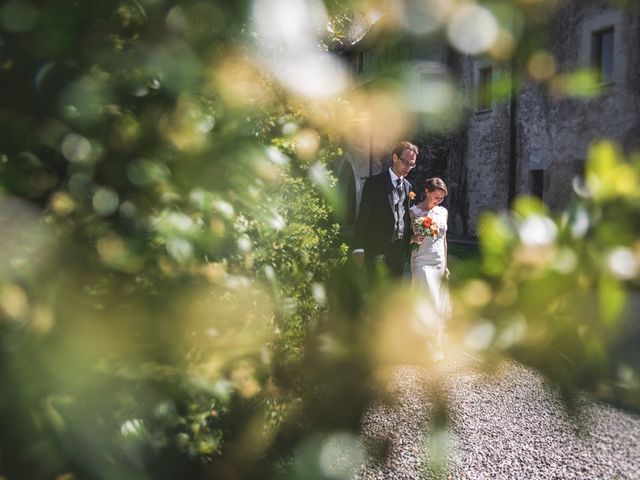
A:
375,223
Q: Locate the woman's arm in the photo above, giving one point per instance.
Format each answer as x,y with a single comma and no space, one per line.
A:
415,238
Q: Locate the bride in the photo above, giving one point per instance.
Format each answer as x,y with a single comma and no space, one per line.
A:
429,255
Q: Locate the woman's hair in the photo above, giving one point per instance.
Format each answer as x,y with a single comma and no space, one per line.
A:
435,183
402,146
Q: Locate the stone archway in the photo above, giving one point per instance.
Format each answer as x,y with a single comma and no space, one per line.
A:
347,182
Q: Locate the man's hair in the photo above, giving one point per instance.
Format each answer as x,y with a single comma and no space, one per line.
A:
402,146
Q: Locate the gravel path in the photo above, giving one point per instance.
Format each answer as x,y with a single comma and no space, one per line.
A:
509,425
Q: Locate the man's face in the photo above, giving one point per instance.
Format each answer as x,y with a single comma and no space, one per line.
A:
403,164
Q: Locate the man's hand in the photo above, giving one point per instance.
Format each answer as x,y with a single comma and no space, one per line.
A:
358,258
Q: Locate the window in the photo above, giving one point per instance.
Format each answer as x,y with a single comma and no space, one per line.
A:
536,183
602,54
601,48
485,80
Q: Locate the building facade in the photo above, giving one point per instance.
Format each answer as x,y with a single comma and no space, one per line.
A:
514,133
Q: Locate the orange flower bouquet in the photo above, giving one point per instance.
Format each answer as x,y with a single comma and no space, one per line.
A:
426,226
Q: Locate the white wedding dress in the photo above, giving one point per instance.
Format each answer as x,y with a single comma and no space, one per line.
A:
428,267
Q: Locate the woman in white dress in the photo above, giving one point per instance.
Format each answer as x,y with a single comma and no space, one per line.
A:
429,255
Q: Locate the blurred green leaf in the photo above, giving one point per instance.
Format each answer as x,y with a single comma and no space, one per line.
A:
612,298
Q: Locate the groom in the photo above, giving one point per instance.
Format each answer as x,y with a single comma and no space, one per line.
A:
383,226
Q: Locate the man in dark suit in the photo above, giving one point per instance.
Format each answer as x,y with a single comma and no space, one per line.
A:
383,226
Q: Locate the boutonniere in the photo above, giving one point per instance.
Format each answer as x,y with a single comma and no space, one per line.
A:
412,196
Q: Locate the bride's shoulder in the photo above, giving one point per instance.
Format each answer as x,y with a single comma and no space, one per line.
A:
440,210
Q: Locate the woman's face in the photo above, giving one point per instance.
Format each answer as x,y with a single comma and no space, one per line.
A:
434,198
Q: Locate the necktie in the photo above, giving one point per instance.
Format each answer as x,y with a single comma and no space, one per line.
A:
399,188
399,209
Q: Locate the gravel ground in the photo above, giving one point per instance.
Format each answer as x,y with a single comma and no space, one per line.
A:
508,425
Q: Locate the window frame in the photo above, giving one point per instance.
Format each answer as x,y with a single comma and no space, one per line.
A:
598,24
484,76
605,76
485,88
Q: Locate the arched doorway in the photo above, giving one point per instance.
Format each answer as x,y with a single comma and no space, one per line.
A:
347,183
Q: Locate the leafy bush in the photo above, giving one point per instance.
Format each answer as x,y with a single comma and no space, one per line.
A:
555,290
169,240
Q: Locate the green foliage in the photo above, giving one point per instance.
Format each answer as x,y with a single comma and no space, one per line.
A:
559,287
170,251
172,257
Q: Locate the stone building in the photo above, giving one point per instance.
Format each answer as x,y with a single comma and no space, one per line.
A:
507,141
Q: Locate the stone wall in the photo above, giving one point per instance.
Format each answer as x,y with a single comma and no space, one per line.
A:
487,153
552,131
539,129
555,132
